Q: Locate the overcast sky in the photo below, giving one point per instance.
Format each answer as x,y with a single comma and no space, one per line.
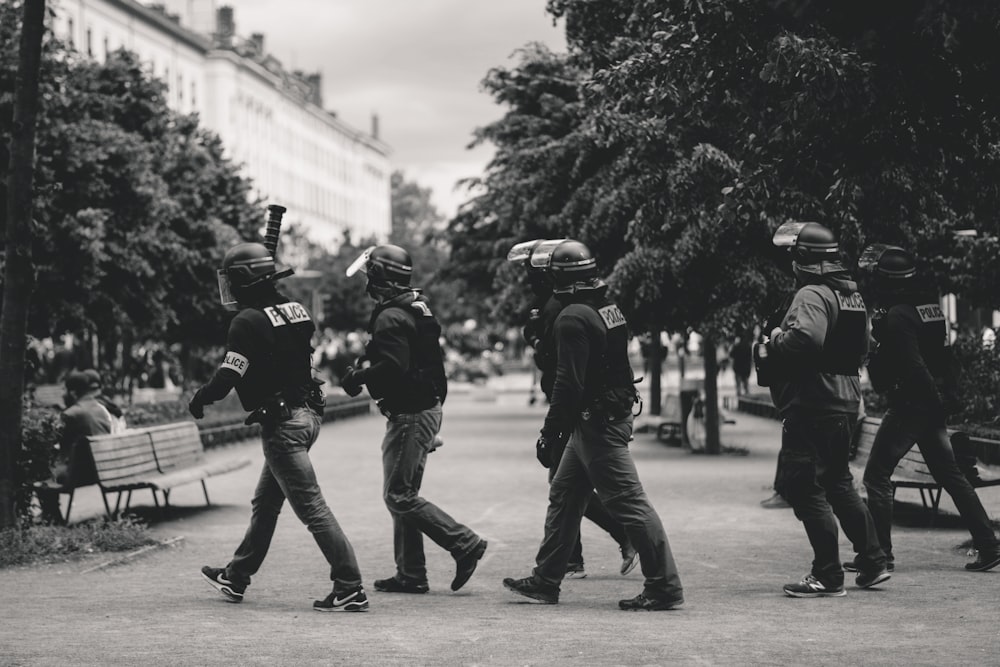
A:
416,63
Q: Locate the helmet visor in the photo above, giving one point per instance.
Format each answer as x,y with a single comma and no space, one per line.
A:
360,263
868,261
522,251
786,235
225,289
541,256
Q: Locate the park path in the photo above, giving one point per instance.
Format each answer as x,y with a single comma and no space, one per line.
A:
733,557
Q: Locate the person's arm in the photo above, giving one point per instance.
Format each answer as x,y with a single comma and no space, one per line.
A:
235,365
391,339
572,346
804,332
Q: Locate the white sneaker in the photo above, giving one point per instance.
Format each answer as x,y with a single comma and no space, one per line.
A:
575,571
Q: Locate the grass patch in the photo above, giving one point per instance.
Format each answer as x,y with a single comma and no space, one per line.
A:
47,544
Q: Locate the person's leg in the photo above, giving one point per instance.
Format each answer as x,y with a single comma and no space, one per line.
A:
575,564
798,482
604,452
936,449
286,449
403,467
265,508
833,454
601,517
568,495
895,436
412,436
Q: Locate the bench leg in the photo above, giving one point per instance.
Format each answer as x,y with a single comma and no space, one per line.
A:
69,505
107,508
128,501
204,487
118,503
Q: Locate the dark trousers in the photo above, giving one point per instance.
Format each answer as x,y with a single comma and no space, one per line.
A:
597,459
599,515
408,440
814,477
896,435
288,473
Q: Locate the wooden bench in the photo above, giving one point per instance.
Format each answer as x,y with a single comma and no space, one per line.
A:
912,471
157,458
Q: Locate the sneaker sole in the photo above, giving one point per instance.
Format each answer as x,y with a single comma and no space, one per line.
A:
665,607
227,592
349,607
575,575
825,594
985,566
882,578
851,567
629,565
530,598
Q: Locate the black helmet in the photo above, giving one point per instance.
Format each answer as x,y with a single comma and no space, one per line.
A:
889,265
810,242
247,264
571,262
384,265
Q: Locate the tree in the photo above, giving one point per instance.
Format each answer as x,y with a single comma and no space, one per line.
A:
18,269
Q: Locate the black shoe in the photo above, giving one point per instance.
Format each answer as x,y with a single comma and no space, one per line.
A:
530,588
851,566
775,502
642,603
354,600
872,578
216,576
811,587
466,565
630,558
986,560
398,585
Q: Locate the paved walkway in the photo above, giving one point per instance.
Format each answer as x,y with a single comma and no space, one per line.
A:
733,556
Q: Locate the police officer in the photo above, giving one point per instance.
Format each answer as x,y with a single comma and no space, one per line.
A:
912,362
814,358
404,372
592,398
268,362
538,333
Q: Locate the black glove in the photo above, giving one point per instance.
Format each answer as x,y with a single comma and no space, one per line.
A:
196,409
351,382
542,451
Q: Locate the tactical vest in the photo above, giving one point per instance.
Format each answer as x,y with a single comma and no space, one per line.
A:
613,394
846,342
283,362
424,382
932,339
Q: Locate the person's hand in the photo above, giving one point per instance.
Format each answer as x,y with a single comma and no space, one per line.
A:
542,451
351,382
196,409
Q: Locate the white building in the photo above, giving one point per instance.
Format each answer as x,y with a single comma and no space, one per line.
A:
332,177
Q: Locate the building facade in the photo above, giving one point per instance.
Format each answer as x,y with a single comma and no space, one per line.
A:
333,178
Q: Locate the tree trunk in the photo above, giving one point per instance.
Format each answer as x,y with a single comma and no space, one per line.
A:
19,274
713,443
655,370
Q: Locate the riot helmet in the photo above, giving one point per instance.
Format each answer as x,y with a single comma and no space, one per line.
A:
893,270
245,267
810,242
571,264
536,256
388,268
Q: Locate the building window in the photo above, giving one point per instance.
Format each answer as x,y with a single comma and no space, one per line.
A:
70,37
90,42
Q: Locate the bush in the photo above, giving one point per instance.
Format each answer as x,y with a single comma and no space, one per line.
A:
979,383
41,429
41,544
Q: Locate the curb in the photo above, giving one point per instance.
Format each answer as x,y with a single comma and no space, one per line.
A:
132,555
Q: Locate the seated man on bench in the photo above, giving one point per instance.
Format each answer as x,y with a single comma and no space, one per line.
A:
84,415
912,362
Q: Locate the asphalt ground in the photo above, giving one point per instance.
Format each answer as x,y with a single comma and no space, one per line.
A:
733,557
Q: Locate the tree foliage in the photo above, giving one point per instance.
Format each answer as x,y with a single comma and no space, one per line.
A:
676,135
136,205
